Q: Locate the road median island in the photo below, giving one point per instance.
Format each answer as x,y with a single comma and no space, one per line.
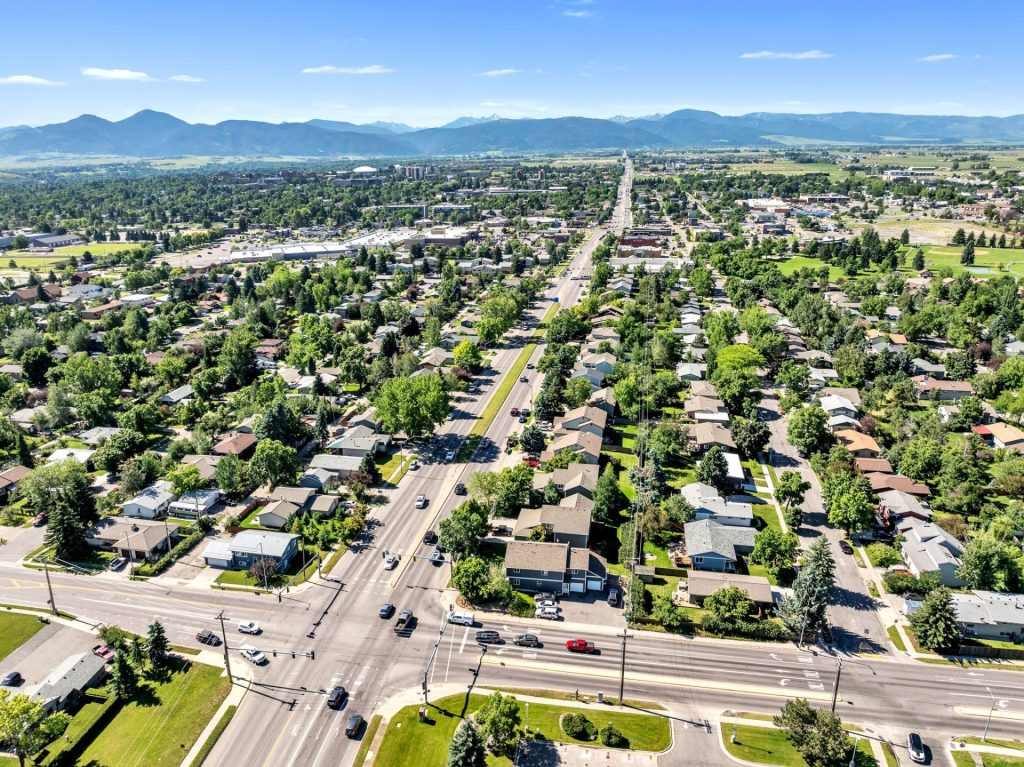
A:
497,401
406,734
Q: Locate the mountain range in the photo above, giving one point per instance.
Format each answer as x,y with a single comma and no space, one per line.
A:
156,134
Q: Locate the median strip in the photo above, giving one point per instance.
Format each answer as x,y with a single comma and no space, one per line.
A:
497,401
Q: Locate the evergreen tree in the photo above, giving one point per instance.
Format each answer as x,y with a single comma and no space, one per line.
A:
713,470
369,467
918,260
135,650
967,255
609,499
124,679
156,644
467,747
65,531
935,623
804,611
320,428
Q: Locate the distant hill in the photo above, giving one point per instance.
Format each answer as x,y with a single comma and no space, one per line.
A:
156,134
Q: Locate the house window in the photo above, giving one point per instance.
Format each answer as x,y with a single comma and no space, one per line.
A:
514,570
514,581
545,573
698,560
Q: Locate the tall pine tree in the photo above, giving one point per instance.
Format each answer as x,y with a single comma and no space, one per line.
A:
65,531
935,624
467,747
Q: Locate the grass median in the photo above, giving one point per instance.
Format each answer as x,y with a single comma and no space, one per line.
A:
405,734
497,401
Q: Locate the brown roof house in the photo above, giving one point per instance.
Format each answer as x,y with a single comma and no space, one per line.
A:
705,435
584,444
857,444
942,390
588,419
236,443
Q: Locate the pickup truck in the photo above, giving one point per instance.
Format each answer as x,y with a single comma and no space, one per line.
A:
580,645
404,621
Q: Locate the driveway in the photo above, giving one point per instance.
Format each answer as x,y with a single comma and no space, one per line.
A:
852,614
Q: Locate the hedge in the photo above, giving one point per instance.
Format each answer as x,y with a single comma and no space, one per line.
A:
181,548
64,750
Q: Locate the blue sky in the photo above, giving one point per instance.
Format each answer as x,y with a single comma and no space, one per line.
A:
425,63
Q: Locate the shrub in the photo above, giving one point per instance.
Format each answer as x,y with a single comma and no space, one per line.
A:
905,583
579,727
883,555
182,547
612,738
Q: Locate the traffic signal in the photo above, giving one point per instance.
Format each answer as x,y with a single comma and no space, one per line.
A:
312,654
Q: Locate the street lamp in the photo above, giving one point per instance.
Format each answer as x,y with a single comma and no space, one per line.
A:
839,671
853,756
988,721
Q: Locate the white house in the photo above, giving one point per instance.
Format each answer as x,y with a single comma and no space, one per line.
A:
151,503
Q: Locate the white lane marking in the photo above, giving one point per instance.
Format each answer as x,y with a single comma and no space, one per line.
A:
465,636
812,675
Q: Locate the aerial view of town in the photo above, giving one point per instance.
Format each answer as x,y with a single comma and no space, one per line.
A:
571,383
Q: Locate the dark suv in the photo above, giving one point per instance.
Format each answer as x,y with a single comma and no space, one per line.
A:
488,637
337,697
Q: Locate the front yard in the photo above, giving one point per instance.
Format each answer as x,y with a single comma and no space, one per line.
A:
15,630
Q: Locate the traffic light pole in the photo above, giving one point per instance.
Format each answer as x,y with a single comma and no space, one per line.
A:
224,637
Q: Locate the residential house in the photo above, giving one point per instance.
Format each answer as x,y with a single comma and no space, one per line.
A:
873,465
564,523
706,435
195,503
706,410
593,375
300,496
65,687
342,466
584,444
9,479
321,479
702,584
98,312
604,399
359,441
835,405
206,464
236,443
895,505
248,546
1001,435
928,388
604,363
556,567
924,368
12,370
819,378
927,548
857,444
691,371
575,479
588,419
713,546
182,394
708,504
275,514
151,503
94,436
881,481
82,455
848,393
138,540
991,615
324,505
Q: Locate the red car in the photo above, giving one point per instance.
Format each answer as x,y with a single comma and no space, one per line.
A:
514,411
580,645
532,462
104,651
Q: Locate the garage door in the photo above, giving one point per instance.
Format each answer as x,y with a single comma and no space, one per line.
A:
576,587
595,584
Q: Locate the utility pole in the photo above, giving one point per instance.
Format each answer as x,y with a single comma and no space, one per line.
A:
988,721
622,666
835,687
224,637
167,532
49,587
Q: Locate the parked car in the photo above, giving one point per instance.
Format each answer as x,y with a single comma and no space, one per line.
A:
525,411
40,519
117,563
355,724
386,610
460,488
488,637
546,603
449,456
207,637
390,562
527,640
580,645
421,501
253,655
531,461
542,596
436,558
430,538
104,651
613,597
13,679
337,697
522,418
845,547
915,746
249,627
547,613
415,464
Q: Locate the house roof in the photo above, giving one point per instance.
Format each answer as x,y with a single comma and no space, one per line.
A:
707,498
1006,433
927,383
594,415
900,504
831,402
280,509
572,479
207,464
712,434
298,495
876,465
13,475
533,555
700,404
152,498
73,675
882,481
131,533
990,608
709,537
704,389
571,519
703,583
586,560
324,504
337,463
847,392
853,440
235,444
578,441
274,544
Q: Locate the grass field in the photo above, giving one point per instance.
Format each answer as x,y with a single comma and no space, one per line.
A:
96,248
406,735
15,630
165,718
767,745
789,168
23,261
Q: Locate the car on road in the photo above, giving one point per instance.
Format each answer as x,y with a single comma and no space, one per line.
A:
514,411
525,411
460,488
421,501
405,620
529,366
547,613
429,538
249,627
337,697
117,563
355,724
13,679
449,456
436,558
386,610
415,464
104,651
390,562
845,547
527,640
252,655
915,747
207,637
488,637
522,418
523,379
580,645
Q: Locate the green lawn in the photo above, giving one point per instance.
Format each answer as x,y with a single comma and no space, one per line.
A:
97,248
497,401
963,759
994,760
767,745
163,722
15,630
1017,745
405,735
768,516
24,261
897,640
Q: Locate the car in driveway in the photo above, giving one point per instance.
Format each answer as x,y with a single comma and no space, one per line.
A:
421,501
460,488
547,613
117,563
249,627
252,655
104,651
527,640
532,461
546,603
845,547
390,562
207,637
354,725
429,538
580,645
337,697
12,679
544,596
915,748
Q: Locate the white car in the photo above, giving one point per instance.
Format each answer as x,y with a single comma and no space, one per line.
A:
421,501
547,603
450,455
249,627
252,655
547,613
390,562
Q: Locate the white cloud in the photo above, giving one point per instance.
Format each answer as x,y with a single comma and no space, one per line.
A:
499,72
938,57
794,55
578,14
372,69
28,80
186,79
96,73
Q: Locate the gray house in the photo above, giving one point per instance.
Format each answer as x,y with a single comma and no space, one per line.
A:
555,567
248,546
713,546
566,523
